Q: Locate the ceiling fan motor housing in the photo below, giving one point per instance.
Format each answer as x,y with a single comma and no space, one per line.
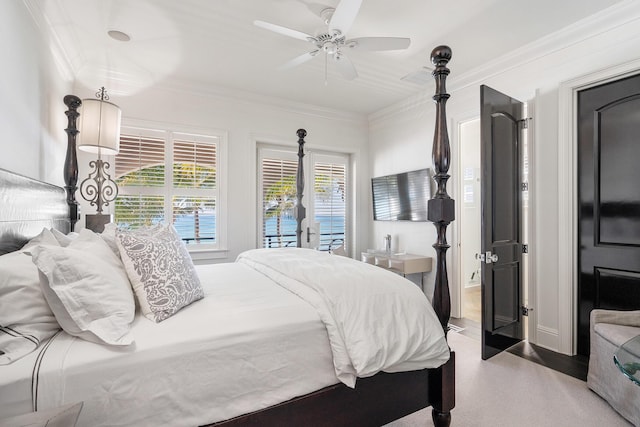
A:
330,43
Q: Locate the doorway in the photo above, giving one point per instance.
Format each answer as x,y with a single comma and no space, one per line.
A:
470,219
505,298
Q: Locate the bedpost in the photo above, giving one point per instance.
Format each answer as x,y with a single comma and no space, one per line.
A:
441,207
71,159
442,213
300,211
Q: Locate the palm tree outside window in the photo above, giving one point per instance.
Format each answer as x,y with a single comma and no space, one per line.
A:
167,176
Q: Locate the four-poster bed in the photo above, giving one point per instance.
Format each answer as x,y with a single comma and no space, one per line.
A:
376,399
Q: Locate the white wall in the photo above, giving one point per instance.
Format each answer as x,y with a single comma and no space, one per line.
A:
402,135
246,122
470,213
32,120
401,142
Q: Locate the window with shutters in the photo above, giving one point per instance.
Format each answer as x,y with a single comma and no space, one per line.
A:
330,204
325,198
166,176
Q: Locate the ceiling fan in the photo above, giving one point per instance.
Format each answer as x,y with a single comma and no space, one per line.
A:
332,40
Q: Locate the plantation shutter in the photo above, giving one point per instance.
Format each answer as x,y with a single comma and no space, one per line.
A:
330,204
140,161
195,187
140,175
171,177
278,177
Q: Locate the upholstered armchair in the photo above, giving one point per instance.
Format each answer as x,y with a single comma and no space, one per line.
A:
608,330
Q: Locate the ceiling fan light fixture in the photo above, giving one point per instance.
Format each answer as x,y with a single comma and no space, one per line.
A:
330,48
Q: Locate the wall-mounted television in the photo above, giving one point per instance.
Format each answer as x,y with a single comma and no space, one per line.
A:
401,197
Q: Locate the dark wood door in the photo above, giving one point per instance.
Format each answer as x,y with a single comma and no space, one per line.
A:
609,200
501,290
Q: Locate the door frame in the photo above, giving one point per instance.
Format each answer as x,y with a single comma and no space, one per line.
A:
530,277
567,196
291,149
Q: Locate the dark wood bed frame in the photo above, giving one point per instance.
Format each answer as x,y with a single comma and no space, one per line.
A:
28,205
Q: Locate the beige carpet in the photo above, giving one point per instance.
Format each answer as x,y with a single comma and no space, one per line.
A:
509,391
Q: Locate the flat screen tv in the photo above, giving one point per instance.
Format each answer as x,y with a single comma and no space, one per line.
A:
401,197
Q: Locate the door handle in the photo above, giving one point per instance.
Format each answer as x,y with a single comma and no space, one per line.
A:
487,257
309,233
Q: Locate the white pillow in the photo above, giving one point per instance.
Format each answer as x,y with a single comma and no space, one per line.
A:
160,270
25,317
109,236
63,239
87,289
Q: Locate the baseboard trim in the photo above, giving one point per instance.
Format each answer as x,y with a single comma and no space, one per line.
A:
547,338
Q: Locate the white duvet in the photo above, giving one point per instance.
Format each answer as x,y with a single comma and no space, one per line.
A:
376,319
249,344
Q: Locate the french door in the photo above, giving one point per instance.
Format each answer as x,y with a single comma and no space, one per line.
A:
325,197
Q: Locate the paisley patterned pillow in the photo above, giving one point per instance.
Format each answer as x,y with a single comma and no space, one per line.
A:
160,270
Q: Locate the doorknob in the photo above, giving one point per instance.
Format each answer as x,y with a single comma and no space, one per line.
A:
309,233
487,258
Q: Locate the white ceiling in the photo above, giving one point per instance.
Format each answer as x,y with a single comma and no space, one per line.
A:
212,45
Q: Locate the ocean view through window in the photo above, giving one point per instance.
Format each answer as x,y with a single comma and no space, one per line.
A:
325,198
166,176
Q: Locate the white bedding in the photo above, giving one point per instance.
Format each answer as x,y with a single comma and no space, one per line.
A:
376,319
249,344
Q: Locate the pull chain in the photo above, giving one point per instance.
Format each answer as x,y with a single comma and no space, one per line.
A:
326,82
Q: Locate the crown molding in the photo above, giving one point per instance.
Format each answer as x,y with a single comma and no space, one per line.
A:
621,14
253,99
62,56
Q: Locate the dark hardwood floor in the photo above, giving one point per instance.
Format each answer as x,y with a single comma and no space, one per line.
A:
575,366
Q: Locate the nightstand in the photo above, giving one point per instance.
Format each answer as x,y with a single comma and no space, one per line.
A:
399,262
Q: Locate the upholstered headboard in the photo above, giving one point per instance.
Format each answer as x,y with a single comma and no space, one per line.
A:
26,207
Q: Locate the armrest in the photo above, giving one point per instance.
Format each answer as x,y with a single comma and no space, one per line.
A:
616,317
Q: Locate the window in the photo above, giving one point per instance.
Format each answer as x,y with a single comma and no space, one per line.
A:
278,200
170,176
325,198
330,204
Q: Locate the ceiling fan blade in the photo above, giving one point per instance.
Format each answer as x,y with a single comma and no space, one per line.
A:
298,60
346,67
284,31
379,43
422,76
344,15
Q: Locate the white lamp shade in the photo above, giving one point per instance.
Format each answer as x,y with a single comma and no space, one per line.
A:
99,129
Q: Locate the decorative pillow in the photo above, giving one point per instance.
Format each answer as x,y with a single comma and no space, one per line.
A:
87,289
160,269
25,317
